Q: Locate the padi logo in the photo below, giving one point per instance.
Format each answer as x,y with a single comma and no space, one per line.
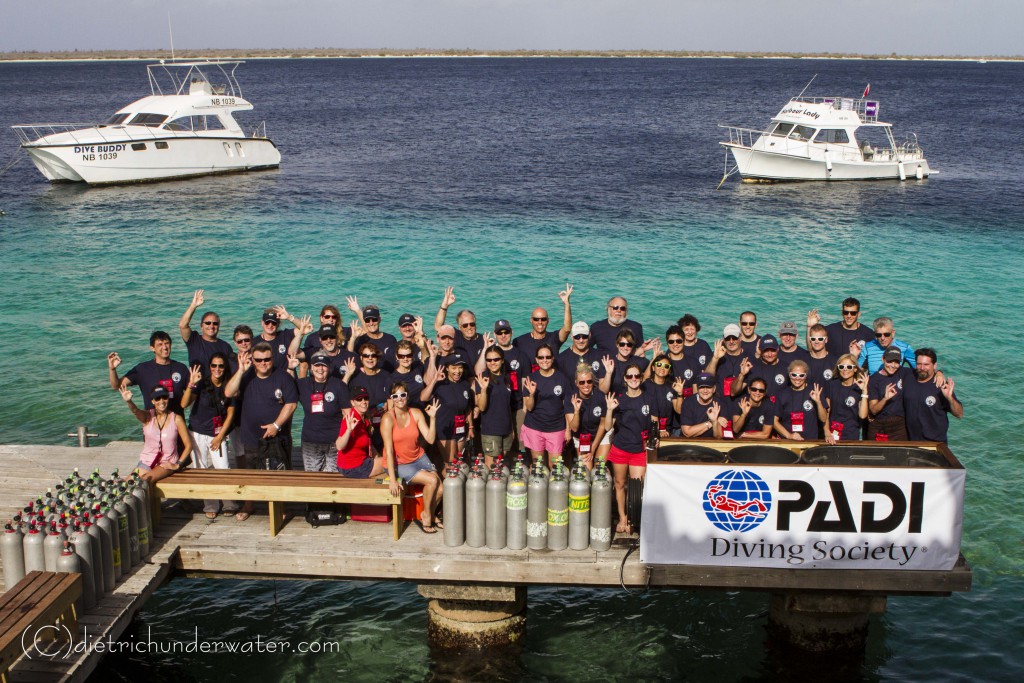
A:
278,394
899,384
930,401
419,379
646,409
827,374
514,364
281,348
670,396
850,401
780,379
465,395
558,390
760,420
329,397
688,374
596,366
737,500
176,377
836,515
702,359
597,411
808,405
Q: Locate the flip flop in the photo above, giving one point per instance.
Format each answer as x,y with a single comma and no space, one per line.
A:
242,516
438,524
427,529
211,515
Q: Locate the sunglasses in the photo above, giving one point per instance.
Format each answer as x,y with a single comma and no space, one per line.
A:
798,375
371,320
244,340
465,325
544,357
160,398
368,355
361,398
211,322
399,395
540,320
581,336
215,366
819,338
493,360
663,365
755,390
503,332
328,316
634,376
748,324
617,308
675,341
403,356
847,367
731,338
625,343
270,322
883,335
268,359
850,312
584,382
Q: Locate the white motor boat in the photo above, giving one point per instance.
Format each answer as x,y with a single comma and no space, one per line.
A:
824,138
186,127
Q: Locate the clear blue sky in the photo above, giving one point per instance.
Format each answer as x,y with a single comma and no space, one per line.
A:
967,27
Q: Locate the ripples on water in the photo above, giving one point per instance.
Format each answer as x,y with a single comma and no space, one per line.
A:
507,178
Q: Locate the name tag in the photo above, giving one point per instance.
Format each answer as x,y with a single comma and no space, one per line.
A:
168,385
316,402
585,440
662,423
514,378
687,391
727,385
727,429
460,425
837,430
797,420
534,367
881,436
218,422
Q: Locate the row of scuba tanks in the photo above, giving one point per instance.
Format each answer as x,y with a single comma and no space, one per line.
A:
97,527
536,509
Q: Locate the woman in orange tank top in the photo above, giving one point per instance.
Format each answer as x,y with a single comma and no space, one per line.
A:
401,428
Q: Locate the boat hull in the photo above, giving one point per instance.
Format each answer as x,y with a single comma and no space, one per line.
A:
131,161
756,165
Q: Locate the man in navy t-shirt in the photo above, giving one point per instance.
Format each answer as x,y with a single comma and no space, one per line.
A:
603,332
581,351
528,343
927,403
202,345
160,371
844,333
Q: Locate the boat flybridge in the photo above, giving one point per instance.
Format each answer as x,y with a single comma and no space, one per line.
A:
186,127
824,138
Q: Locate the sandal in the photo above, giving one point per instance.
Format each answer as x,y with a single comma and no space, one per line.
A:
622,528
242,516
426,528
438,524
211,515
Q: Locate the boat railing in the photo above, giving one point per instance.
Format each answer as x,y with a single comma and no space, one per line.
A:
742,137
866,109
259,130
31,133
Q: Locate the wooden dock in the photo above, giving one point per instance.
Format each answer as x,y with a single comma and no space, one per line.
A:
193,546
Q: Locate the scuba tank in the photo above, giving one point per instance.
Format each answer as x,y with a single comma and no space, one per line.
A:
99,562
500,463
35,559
133,524
140,489
115,537
123,533
537,509
12,545
558,510
579,511
53,544
601,505
454,505
495,494
106,529
476,510
515,510
83,548
68,563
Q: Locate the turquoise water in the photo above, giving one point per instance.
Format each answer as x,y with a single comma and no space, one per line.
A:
506,179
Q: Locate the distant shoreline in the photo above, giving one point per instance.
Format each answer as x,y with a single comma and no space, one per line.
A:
331,53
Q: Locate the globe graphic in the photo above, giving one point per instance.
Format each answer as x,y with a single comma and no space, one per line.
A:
737,500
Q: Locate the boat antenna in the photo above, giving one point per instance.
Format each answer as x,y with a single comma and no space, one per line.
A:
170,31
801,92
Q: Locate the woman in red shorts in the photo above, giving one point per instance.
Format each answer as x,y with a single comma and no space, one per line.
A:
633,415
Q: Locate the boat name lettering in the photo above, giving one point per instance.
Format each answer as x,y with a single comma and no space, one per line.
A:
99,149
801,112
222,101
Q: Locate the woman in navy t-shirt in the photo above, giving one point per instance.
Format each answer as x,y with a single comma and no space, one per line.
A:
633,416
846,401
546,401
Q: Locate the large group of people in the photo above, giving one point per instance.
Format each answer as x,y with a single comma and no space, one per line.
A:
376,404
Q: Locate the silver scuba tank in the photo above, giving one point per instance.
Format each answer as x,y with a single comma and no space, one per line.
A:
53,544
35,559
68,563
515,511
579,511
476,510
83,548
124,533
99,562
601,506
558,511
496,510
454,505
537,509
12,545
140,489
133,525
106,530
115,538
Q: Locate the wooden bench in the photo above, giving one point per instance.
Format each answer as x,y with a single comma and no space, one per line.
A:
276,488
38,609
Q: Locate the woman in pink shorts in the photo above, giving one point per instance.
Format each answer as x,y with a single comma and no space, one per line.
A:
548,408
161,430
633,415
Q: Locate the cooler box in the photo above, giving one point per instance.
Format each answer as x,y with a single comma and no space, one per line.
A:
412,502
369,513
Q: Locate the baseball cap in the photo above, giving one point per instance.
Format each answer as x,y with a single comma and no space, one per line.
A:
359,393
327,331
769,342
319,359
705,379
580,328
892,353
453,359
270,318
406,319
731,330
502,325
788,327
371,312
159,392
446,331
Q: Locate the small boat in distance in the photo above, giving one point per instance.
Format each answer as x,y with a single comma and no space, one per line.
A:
824,138
185,128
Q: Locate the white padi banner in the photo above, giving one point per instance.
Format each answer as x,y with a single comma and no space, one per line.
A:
802,517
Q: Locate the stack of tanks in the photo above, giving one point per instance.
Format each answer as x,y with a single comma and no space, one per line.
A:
97,527
516,509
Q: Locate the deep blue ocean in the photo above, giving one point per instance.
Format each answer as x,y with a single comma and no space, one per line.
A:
507,178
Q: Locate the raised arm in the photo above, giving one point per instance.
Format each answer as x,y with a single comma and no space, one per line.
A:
142,416
442,312
113,361
234,385
185,324
563,332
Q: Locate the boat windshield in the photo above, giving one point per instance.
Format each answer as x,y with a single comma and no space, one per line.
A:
195,122
116,119
803,133
836,136
151,120
781,129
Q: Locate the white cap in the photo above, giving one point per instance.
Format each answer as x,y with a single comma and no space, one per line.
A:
731,330
580,328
